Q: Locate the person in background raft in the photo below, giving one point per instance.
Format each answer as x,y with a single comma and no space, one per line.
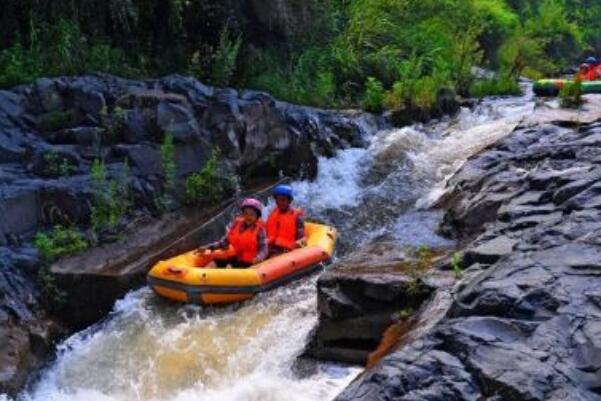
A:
589,70
285,225
244,243
595,66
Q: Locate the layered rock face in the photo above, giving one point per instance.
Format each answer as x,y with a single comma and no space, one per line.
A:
52,131
524,323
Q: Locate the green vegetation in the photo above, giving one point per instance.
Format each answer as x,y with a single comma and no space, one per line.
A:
60,241
53,295
223,64
374,95
110,197
169,169
113,123
208,185
396,53
56,120
57,165
424,256
58,48
456,261
494,86
405,313
52,245
571,94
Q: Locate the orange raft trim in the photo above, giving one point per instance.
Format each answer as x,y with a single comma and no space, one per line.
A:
180,280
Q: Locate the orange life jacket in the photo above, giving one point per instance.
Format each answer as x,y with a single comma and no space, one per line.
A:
245,242
281,227
590,74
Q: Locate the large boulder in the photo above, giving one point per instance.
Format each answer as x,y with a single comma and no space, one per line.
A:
363,294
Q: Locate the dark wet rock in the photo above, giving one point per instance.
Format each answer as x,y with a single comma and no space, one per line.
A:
524,321
362,295
146,158
27,334
446,103
136,126
57,127
22,202
490,251
178,121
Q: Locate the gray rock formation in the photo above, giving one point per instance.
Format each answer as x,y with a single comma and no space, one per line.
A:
360,296
525,321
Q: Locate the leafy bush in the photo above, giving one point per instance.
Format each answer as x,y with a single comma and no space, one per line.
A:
169,169
17,66
56,120
59,49
110,197
57,165
571,94
496,86
60,241
456,264
55,297
374,95
224,60
208,185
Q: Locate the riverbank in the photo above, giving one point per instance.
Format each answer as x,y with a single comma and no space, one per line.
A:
523,319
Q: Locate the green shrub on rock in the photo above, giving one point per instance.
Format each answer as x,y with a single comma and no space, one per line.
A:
57,165
571,94
494,87
208,185
169,172
110,197
60,241
374,95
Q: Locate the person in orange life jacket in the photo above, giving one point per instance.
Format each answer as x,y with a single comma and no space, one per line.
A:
588,72
244,243
285,225
595,67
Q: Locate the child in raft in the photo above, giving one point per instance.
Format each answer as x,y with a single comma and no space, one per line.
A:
244,243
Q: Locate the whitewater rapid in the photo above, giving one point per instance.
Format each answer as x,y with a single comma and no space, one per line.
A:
150,350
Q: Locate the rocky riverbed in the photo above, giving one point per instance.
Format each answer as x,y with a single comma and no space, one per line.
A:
524,320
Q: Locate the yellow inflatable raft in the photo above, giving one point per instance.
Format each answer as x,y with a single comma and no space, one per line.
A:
180,280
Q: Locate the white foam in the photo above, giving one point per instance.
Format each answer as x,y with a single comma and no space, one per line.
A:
148,350
337,183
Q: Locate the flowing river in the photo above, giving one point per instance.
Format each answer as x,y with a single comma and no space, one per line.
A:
149,350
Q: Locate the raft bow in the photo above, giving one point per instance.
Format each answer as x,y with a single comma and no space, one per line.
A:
179,279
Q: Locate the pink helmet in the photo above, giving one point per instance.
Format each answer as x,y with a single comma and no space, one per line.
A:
253,203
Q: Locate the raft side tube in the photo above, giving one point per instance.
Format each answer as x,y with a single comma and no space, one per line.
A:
552,87
180,280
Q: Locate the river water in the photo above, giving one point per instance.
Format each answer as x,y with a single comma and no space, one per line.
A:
150,350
